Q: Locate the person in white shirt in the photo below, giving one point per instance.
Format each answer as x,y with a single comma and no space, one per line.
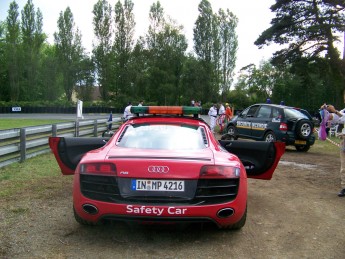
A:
338,117
127,113
140,104
221,113
213,116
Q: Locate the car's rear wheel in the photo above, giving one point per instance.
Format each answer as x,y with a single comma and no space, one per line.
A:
239,224
304,129
302,148
270,137
231,131
82,221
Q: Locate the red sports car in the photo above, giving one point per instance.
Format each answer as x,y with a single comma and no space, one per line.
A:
166,166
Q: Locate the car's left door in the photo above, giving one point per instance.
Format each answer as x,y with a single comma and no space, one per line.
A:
260,158
259,123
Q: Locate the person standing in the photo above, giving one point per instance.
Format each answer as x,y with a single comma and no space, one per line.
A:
127,113
228,112
212,113
338,117
221,119
140,104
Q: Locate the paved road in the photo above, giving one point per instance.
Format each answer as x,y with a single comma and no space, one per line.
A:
57,116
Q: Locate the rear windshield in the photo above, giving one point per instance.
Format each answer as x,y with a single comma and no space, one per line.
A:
167,137
291,113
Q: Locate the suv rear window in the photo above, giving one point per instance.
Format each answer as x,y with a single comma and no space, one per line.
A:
165,137
291,113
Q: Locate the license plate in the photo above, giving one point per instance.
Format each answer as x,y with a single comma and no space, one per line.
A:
300,142
157,185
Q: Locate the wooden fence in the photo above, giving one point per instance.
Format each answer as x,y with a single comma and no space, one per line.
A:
16,145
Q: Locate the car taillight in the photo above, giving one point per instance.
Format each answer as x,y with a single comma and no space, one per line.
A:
283,126
98,168
216,171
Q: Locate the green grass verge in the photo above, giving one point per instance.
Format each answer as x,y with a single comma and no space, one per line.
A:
21,123
32,176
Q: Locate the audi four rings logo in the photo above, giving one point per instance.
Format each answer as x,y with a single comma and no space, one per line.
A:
158,169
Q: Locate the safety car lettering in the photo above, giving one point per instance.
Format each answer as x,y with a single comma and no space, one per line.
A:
258,126
243,124
130,209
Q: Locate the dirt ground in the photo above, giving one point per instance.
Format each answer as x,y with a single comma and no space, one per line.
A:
297,214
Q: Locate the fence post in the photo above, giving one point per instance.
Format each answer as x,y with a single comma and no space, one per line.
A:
54,130
22,145
76,134
95,128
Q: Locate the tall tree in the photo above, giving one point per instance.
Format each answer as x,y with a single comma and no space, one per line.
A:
102,56
308,28
33,38
228,48
205,40
69,50
166,49
123,45
12,50
4,82
50,77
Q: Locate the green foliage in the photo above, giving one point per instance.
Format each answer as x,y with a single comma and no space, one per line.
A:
157,69
308,30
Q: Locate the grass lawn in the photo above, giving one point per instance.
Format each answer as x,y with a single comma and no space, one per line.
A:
21,123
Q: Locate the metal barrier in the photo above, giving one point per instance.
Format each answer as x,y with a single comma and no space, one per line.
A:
16,145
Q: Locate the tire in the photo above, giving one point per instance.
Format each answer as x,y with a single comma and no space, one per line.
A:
302,148
304,129
82,221
270,137
238,225
231,131
227,137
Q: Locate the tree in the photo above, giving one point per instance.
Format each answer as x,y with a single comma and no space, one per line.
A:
123,44
12,50
166,47
4,81
50,77
69,51
102,22
33,39
228,48
308,29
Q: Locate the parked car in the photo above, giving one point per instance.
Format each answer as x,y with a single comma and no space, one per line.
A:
271,123
166,166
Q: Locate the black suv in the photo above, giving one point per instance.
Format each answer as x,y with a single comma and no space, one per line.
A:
271,122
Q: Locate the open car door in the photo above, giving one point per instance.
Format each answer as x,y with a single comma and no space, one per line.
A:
69,151
260,158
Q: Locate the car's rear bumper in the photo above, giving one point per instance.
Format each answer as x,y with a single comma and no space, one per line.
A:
289,139
223,215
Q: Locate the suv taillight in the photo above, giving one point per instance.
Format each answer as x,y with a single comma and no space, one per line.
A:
98,168
283,127
220,172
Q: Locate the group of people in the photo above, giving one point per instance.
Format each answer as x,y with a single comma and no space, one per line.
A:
219,115
337,117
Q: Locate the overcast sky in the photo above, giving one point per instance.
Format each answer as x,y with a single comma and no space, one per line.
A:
254,17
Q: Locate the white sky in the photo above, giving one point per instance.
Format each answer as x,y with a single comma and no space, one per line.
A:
254,17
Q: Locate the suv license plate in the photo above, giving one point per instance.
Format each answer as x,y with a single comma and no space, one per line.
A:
300,142
157,185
